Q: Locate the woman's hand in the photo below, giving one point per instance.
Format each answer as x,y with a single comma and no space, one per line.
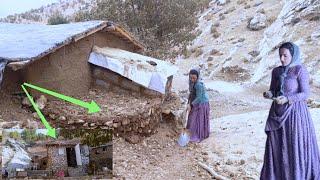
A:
268,94
281,100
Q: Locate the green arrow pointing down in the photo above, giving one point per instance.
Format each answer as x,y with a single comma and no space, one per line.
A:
50,131
92,107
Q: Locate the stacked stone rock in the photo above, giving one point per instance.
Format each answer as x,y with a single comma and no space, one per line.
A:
123,112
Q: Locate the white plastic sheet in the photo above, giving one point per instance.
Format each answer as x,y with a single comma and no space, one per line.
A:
135,67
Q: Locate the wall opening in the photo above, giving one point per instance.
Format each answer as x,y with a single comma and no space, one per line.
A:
71,157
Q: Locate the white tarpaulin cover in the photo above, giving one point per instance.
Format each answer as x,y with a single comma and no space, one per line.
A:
149,72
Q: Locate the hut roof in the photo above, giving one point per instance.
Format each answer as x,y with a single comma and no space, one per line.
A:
23,43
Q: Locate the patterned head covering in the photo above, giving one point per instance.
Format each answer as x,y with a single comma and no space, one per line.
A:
192,90
191,84
296,60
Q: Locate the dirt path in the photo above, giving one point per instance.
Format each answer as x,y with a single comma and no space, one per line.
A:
158,157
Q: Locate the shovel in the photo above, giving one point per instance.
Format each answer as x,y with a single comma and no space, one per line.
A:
184,137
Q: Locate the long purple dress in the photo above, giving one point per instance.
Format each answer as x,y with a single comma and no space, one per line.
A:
291,151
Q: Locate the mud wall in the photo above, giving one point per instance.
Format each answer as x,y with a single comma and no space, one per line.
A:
11,81
114,82
67,70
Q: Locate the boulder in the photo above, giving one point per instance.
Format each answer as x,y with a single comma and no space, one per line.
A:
41,102
258,22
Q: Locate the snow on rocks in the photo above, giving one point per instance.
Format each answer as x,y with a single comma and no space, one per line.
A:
316,80
315,36
221,2
276,33
258,22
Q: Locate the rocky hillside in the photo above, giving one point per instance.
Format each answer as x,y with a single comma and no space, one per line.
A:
68,8
238,40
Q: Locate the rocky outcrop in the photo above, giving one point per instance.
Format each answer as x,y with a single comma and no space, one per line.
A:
258,22
278,32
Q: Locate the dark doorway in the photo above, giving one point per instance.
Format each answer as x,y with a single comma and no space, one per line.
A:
71,157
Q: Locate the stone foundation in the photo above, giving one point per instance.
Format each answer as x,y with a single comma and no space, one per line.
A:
123,112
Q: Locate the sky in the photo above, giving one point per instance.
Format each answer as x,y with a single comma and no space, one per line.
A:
10,7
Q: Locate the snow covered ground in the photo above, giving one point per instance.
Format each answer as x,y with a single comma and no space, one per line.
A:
224,87
236,143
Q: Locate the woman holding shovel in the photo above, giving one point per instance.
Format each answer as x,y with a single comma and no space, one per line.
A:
291,151
198,107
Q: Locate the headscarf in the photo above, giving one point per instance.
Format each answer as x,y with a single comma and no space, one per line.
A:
192,90
296,60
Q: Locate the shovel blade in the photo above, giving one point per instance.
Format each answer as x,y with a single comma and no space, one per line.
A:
183,139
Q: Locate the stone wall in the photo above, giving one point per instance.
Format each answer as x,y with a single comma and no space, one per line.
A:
57,161
85,157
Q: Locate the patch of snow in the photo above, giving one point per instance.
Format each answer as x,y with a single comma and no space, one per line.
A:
26,41
258,22
316,79
224,87
205,27
315,36
221,2
232,121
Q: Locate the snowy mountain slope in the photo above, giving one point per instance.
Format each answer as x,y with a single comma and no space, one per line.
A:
68,8
227,49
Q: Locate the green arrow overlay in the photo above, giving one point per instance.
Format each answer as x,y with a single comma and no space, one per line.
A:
92,107
50,131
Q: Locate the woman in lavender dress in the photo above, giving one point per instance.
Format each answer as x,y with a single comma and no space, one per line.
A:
199,108
291,151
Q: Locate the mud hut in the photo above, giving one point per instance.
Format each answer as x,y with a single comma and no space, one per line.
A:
73,58
56,56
